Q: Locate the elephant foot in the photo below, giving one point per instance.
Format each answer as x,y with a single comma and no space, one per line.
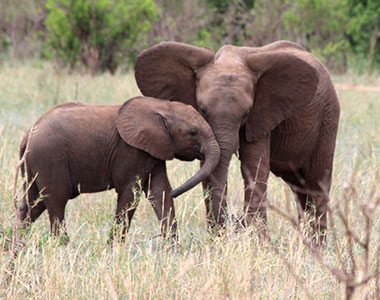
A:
63,239
257,221
216,229
171,244
116,237
318,239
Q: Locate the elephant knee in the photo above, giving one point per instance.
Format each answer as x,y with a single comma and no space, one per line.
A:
22,212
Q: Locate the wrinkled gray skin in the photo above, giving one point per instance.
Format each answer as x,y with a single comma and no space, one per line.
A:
275,104
78,148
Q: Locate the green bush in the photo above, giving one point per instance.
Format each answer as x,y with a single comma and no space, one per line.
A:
97,34
320,26
364,31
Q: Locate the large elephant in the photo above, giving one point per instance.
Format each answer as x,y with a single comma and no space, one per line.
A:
78,148
275,104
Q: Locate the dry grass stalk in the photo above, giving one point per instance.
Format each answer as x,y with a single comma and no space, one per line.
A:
351,274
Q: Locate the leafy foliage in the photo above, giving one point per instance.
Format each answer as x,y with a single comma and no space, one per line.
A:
20,21
97,34
364,29
102,35
325,36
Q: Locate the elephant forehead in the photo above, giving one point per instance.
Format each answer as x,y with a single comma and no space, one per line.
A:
226,68
182,109
182,124
226,99
229,77
186,114
228,51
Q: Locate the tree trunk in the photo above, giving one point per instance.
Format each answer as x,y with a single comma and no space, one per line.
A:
372,46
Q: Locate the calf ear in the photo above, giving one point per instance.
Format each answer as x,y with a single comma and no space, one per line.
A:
167,71
141,123
287,82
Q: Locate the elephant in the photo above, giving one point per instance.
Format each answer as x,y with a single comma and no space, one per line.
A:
275,105
81,148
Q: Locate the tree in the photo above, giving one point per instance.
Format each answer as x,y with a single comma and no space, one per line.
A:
20,21
318,25
97,34
364,30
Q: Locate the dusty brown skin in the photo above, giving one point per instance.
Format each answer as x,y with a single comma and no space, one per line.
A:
78,148
275,104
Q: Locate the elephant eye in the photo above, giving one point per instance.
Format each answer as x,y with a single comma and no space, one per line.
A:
193,132
203,111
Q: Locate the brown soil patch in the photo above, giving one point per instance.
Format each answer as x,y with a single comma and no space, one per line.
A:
357,87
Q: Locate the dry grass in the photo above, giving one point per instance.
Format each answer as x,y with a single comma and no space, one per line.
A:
239,266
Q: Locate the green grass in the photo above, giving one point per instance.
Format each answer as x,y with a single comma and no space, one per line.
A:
239,266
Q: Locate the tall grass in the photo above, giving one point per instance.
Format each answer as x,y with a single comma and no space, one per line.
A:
237,266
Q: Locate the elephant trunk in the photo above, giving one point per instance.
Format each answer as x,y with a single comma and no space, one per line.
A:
210,149
228,139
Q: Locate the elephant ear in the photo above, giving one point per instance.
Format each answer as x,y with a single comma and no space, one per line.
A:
286,83
167,71
142,123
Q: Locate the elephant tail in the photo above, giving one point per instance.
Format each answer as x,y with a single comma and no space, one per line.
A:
29,186
22,150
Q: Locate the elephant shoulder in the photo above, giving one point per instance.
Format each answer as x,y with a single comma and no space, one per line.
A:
283,44
64,107
59,114
69,104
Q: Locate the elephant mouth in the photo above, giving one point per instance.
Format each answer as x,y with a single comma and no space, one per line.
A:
191,154
197,152
201,156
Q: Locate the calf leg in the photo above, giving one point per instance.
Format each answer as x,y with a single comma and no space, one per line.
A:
125,210
162,201
56,205
31,207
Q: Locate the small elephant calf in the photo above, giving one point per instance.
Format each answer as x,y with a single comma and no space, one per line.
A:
81,148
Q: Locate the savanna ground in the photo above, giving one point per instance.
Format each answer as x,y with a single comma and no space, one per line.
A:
238,266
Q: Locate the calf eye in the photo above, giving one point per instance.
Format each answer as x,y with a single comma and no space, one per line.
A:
203,111
193,132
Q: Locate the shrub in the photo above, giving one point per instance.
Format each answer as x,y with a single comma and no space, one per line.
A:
97,34
364,31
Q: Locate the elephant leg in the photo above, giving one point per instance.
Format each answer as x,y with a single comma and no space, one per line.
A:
31,207
318,173
28,213
130,213
162,202
54,185
297,184
314,203
124,213
255,166
311,187
317,199
55,205
215,210
207,200
55,197
318,176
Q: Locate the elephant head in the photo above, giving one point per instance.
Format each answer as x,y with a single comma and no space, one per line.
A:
169,129
253,88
